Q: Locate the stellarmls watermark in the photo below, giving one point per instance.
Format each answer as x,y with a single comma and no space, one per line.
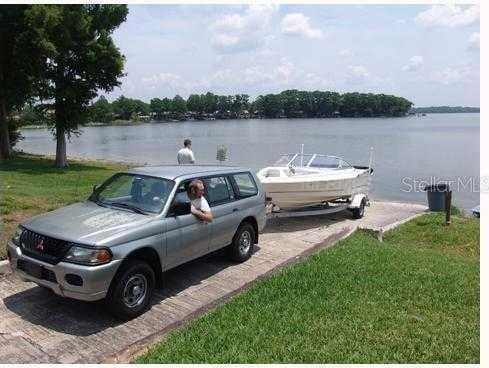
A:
465,184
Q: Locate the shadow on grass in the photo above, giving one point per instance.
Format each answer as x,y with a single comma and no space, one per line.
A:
37,165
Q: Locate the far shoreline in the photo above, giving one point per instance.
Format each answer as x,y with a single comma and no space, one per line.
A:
139,122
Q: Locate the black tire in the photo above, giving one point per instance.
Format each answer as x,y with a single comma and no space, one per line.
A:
359,212
124,299
243,243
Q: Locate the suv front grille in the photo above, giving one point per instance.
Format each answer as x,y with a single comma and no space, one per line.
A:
43,248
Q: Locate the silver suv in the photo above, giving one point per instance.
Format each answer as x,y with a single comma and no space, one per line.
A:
133,227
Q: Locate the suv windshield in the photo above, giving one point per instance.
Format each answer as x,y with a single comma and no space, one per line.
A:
137,193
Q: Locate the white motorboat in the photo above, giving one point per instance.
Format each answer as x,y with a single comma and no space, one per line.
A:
301,180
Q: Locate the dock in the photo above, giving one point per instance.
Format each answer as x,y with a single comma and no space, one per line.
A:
37,326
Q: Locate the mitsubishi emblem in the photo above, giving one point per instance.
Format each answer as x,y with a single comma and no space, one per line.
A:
40,245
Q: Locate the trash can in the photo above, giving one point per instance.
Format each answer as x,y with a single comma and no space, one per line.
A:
437,196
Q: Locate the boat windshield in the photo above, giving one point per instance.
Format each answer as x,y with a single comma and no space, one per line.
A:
312,160
284,160
294,159
329,162
301,160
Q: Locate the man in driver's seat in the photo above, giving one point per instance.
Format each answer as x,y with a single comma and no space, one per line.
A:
199,206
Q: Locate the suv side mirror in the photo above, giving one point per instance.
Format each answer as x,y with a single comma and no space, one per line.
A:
180,208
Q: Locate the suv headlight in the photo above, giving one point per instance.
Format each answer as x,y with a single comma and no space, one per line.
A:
17,235
88,256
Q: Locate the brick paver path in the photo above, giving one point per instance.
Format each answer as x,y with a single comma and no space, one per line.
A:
37,326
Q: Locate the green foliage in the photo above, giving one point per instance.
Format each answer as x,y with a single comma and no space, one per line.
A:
160,108
178,106
13,130
445,109
21,63
100,111
126,108
287,104
34,115
317,104
195,104
80,59
360,301
269,106
21,55
83,57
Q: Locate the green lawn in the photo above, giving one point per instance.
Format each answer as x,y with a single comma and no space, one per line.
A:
30,184
412,298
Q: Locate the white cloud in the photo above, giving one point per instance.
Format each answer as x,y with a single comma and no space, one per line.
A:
297,24
346,52
280,74
415,63
451,75
242,32
449,15
169,79
358,72
284,70
475,41
359,78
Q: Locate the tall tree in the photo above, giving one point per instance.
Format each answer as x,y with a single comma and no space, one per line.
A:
179,106
157,107
84,60
100,111
21,55
194,104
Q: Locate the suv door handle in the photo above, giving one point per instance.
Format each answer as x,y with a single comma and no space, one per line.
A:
235,209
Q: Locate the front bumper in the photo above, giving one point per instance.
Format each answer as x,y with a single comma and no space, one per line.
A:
96,279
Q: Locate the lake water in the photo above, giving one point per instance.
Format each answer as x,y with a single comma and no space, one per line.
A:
406,150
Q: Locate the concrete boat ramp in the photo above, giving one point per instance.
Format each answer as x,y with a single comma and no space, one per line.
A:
37,326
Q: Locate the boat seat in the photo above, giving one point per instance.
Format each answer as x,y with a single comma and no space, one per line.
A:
272,173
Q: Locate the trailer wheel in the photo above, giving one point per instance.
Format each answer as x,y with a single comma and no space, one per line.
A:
359,212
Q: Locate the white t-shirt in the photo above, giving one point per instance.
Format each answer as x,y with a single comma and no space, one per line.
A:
185,156
201,204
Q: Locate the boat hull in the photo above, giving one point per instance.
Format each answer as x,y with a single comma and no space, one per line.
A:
298,192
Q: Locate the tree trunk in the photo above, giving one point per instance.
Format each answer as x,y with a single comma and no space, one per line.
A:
61,148
4,134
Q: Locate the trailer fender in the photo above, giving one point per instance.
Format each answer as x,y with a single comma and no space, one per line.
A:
357,200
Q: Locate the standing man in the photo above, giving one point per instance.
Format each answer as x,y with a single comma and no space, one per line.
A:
185,155
199,206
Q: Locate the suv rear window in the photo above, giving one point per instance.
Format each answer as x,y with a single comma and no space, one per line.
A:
245,184
217,190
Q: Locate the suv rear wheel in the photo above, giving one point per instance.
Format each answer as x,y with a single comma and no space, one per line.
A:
131,290
243,243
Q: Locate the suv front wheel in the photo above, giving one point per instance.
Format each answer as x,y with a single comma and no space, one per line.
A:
131,291
243,242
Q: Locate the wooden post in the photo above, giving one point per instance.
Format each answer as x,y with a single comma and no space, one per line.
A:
448,206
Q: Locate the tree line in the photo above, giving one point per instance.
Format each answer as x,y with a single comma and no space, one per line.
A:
287,104
445,110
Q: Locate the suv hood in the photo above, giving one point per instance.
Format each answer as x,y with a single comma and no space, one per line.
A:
85,222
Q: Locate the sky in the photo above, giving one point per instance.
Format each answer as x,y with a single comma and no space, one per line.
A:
429,54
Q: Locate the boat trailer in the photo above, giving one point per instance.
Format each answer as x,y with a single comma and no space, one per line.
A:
356,204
